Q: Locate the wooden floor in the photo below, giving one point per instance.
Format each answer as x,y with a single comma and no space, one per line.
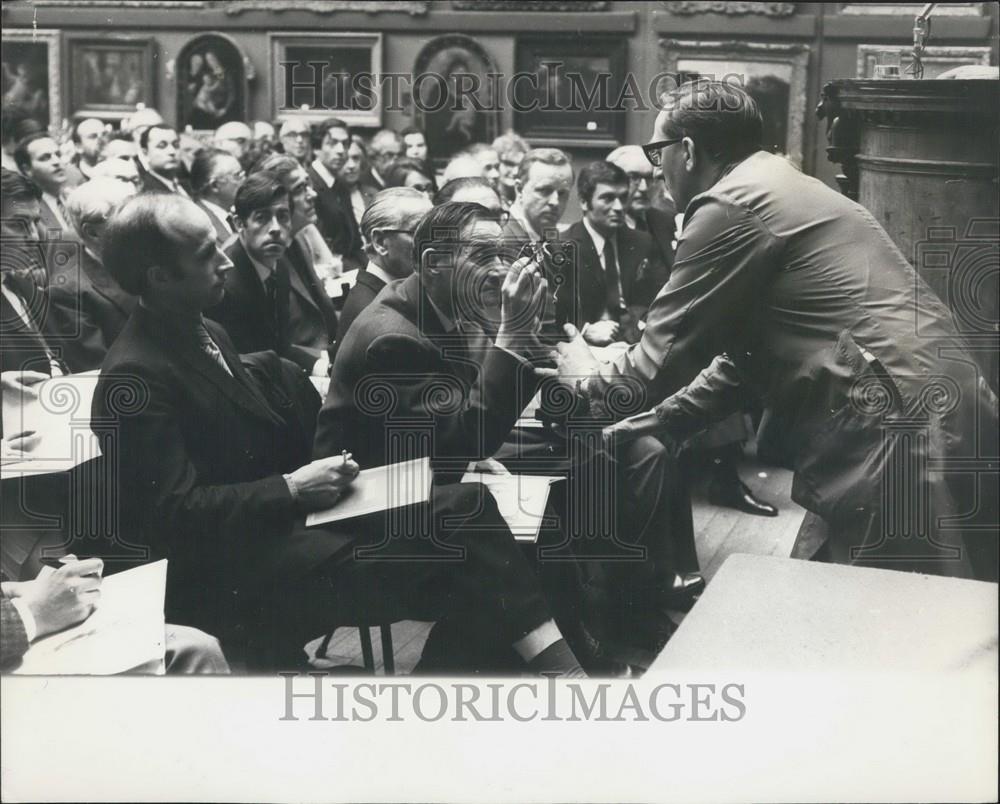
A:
719,532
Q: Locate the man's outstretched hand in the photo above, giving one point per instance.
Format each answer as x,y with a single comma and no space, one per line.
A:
574,360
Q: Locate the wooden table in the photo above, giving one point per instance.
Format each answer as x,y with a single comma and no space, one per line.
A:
762,613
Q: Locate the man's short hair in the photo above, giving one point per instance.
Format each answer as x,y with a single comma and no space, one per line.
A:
446,193
385,211
75,135
144,137
22,157
443,227
259,191
411,130
376,144
203,165
722,119
319,132
595,173
278,164
541,156
95,199
135,238
15,187
17,123
395,175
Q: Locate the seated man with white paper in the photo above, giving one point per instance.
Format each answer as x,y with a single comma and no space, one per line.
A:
215,474
418,374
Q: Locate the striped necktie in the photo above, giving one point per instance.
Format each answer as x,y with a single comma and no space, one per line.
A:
209,347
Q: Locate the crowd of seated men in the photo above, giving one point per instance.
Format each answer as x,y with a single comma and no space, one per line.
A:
203,271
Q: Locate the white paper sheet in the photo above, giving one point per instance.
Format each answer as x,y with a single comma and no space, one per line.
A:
125,631
380,489
520,498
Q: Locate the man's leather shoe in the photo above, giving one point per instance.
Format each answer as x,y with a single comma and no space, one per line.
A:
683,592
738,495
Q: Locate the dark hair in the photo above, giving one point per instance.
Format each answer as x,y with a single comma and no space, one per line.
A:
15,187
395,175
722,119
18,123
319,132
543,156
406,132
21,156
75,135
144,137
203,165
446,193
135,239
444,226
258,191
278,164
595,173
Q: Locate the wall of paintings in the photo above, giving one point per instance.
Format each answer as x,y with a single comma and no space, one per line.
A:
204,62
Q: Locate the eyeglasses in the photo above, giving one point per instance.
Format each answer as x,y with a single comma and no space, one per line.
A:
653,150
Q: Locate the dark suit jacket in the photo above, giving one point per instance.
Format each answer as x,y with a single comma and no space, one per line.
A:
797,283
365,289
23,347
661,226
87,313
639,267
316,318
247,317
201,456
401,376
13,638
149,183
336,221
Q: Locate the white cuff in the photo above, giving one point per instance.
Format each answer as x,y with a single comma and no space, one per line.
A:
27,618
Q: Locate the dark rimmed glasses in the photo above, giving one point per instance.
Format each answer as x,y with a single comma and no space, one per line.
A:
653,150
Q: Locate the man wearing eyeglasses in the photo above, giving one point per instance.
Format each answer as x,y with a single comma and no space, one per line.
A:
640,213
823,316
216,175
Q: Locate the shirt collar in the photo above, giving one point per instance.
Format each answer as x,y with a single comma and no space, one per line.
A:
263,271
328,178
378,271
596,236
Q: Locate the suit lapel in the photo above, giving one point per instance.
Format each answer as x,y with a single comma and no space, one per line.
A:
249,286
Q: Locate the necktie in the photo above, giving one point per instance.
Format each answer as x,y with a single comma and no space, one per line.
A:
612,281
209,347
271,291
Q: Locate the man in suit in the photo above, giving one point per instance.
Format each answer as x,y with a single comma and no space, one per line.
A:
262,290
295,137
88,140
640,213
822,315
61,598
24,303
215,475
618,271
160,165
423,343
360,192
38,158
90,308
335,216
383,149
215,177
388,226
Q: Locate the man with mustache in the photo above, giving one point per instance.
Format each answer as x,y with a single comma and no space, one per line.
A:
256,309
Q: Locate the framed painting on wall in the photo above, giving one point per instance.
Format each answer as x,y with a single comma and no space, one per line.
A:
775,75
319,75
109,76
935,59
212,75
576,86
31,76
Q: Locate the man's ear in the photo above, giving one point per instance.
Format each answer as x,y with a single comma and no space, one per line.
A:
90,231
157,275
518,187
237,223
690,155
378,242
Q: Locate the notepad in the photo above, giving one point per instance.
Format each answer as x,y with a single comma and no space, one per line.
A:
520,498
380,489
125,631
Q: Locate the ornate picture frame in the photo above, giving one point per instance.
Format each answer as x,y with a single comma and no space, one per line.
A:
108,76
32,73
935,59
212,77
776,75
450,119
588,66
341,89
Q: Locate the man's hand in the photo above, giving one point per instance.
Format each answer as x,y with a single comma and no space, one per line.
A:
63,597
21,383
319,484
522,299
574,360
19,444
602,333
